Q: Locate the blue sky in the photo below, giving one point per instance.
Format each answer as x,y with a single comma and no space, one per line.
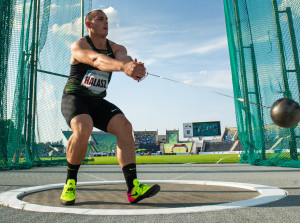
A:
184,41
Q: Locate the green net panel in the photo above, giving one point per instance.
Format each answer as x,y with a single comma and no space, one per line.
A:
6,22
264,41
35,40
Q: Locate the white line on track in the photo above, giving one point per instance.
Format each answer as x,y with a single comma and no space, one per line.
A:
187,174
222,159
267,195
94,176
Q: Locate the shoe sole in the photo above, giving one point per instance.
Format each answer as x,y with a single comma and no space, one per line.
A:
63,202
150,193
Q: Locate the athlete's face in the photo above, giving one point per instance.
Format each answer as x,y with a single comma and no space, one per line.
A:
99,25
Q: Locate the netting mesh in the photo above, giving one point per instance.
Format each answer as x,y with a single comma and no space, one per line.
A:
36,34
6,21
264,38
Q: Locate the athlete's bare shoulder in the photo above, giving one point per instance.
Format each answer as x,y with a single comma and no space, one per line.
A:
80,44
116,47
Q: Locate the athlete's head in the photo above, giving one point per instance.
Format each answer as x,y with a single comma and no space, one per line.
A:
96,22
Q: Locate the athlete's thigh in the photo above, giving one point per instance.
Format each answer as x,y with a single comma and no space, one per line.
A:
103,113
82,125
119,125
71,106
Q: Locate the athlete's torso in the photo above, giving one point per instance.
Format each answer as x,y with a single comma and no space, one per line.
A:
87,80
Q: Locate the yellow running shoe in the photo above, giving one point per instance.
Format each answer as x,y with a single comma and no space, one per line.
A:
141,191
68,195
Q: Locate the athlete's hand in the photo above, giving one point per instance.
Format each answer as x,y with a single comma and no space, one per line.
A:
135,69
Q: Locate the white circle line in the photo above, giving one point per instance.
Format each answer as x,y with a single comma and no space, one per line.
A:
267,195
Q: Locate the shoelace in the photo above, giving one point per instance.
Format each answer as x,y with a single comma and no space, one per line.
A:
70,190
143,186
139,188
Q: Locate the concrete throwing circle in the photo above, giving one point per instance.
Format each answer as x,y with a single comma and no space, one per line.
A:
267,194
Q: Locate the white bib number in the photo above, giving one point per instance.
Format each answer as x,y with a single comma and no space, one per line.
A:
95,80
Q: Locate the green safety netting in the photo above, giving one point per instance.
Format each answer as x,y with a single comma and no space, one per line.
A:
264,42
34,37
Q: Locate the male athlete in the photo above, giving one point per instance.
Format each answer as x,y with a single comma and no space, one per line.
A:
93,60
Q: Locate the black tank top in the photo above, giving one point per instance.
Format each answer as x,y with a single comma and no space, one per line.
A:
87,80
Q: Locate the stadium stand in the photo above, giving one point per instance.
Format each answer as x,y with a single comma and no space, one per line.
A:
100,142
162,138
147,140
229,142
230,134
103,142
217,146
48,149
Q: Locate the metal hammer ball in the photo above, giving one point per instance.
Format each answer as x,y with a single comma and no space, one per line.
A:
285,112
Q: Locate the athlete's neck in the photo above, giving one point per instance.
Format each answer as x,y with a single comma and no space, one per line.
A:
98,41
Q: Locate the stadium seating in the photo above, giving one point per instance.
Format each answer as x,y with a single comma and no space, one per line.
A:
146,140
228,142
229,134
217,146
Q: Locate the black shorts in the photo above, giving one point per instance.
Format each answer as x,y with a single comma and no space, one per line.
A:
99,109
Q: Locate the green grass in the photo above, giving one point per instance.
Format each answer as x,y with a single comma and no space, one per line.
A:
167,159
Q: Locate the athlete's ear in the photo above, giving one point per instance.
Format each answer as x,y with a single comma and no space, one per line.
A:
88,24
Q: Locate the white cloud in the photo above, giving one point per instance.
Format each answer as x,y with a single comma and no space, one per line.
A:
46,94
220,79
148,61
187,81
145,43
48,113
72,28
209,47
167,51
112,15
203,72
127,35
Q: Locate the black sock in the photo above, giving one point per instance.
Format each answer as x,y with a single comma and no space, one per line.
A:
72,172
130,174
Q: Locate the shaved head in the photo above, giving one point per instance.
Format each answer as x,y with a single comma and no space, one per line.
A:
92,14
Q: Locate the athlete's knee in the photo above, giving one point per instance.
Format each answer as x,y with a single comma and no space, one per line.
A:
82,127
81,136
125,128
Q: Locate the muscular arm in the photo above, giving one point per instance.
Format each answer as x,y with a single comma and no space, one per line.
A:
81,52
121,54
